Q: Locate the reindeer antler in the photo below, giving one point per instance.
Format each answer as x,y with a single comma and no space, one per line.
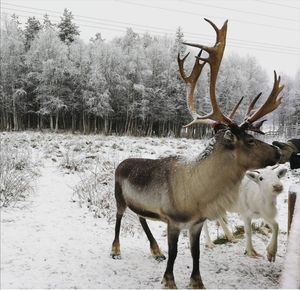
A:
215,54
214,60
191,82
269,105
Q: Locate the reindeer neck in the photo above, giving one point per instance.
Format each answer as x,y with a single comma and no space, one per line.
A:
218,176
218,162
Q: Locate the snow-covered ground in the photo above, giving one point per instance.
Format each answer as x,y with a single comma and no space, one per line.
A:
52,240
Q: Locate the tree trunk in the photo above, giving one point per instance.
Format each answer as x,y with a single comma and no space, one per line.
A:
56,122
73,123
51,123
150,128
95,125
28,121
106,124
15,116
41,123
83,123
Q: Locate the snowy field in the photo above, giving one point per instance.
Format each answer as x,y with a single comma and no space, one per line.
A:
53,238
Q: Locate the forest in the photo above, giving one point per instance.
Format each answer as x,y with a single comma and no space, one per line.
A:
52,79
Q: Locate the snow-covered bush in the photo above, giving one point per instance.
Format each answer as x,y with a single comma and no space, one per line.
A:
17,173
96,191
72,162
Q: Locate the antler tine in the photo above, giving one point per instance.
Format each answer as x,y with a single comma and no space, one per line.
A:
214,60
235,108
251,106
191,82
180,64
271,103
219,45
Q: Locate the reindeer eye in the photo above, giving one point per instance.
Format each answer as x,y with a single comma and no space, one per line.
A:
261,178
251,142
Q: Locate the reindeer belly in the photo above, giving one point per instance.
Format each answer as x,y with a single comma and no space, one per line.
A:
145,201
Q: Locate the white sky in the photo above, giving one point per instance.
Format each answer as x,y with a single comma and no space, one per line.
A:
268,30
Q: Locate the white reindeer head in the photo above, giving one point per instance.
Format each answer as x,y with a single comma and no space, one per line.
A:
268,179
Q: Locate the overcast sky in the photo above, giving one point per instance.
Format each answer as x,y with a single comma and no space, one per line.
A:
266,29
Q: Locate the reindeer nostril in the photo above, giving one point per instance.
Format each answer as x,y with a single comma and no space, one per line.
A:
278,187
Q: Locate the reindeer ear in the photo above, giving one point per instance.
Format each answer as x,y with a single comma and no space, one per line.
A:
281,172
252,176
229,137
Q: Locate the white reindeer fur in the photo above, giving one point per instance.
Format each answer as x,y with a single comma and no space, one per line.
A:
256,199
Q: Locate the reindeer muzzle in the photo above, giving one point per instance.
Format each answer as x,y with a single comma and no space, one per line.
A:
277,188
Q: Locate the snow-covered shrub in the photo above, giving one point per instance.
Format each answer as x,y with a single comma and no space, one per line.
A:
96,191
72,162
17,173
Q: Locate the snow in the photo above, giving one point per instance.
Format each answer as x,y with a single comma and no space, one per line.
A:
51,240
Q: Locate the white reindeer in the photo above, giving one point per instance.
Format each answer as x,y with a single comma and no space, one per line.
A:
256,200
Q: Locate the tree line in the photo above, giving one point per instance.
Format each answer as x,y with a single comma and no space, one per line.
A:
50,78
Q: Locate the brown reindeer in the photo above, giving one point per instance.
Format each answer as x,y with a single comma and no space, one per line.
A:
184,193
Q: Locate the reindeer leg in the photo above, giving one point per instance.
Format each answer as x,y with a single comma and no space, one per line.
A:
272,247
195,280
155,250
168,279
249,246
227,231
208,242
121,207
115,248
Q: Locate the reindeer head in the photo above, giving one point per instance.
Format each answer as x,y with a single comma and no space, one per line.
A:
268,180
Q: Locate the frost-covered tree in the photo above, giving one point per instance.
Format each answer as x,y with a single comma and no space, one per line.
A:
67,29
98,37
86,85
112,62
161,85
179,47
79,69
32,27
49,70
296,95
12,72
288,113
47,22
133,65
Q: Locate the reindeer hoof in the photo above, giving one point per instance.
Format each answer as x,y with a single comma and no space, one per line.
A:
196,283
116,256
210,245
253,254
232,240
168,284
271,258
160,258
